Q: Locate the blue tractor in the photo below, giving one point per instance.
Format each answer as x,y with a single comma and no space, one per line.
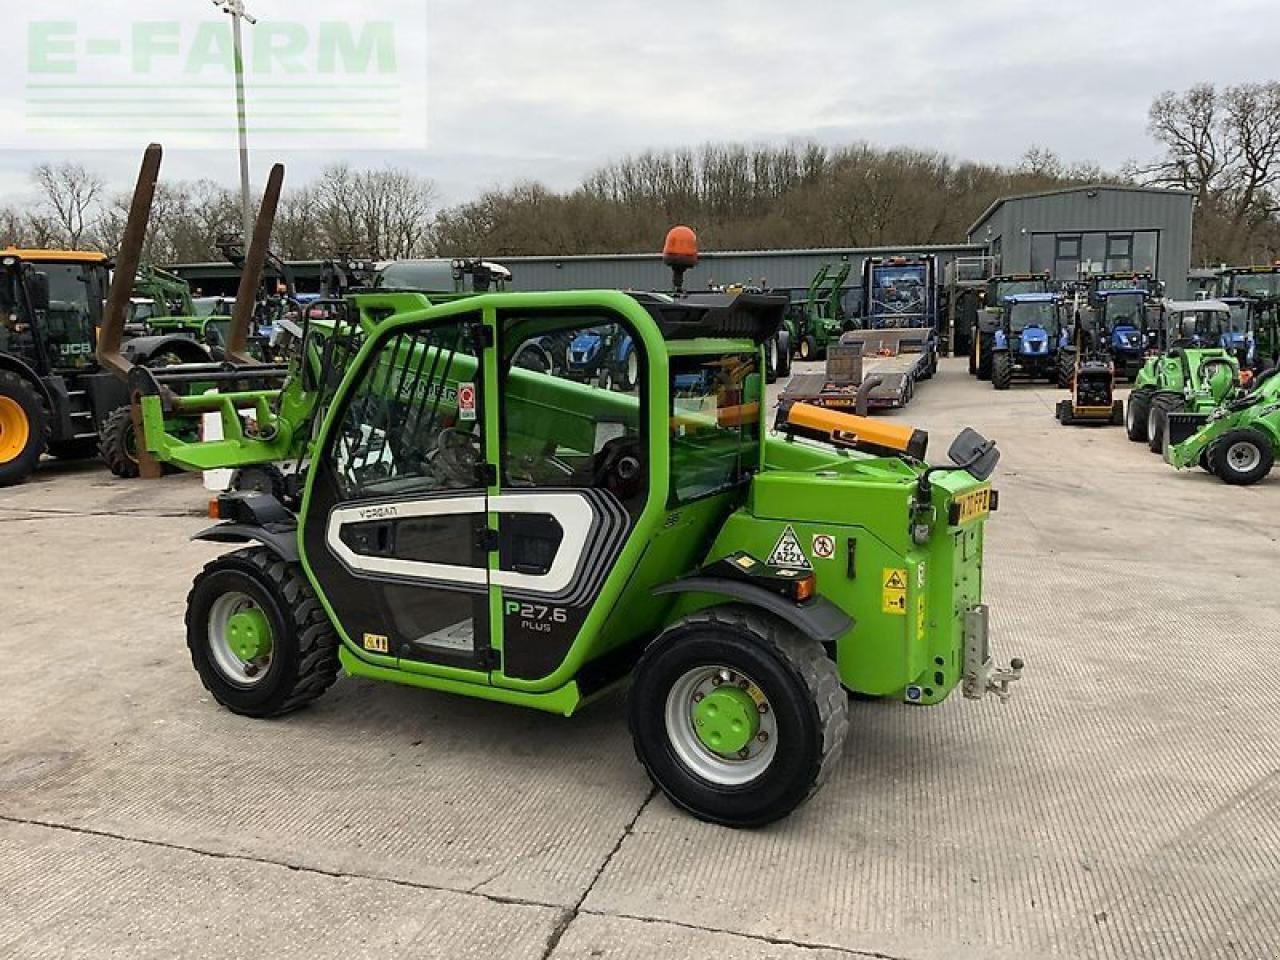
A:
1029,339
605,357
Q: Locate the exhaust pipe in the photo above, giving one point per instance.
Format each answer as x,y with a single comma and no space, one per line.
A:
251,273
111,335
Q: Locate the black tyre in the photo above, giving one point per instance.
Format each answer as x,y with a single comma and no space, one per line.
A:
1135,415
1064,412
1158,419
259,638
1066,369
118,444
24,429
984,358
627,377
973,361
1243,457
767,695
808,348
771,360
1001,371
1117,414
783,368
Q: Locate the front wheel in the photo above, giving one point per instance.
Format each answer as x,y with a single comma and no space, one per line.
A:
736,716
1135,415
1243,457
118,444
258,636
23,429
808,349
1001,371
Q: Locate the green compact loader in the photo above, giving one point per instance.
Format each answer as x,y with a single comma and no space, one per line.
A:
1194,373
471,525
1238,442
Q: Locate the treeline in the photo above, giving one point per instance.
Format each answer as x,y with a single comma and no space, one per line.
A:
1222,145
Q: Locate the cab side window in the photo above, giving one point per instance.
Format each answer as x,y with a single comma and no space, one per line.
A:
413,425
572,412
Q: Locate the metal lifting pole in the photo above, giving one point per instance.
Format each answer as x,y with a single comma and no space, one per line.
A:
236,10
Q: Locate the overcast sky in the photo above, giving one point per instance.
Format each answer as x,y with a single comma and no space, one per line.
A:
549,89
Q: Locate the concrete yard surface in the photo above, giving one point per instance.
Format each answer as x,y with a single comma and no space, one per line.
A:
1125,803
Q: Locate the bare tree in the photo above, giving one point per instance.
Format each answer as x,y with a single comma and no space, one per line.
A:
1224,147
70,194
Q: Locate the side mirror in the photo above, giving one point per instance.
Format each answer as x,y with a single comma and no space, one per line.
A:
973,452
38,289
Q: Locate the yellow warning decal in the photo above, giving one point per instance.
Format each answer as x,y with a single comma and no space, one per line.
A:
921,619
894,595
377,643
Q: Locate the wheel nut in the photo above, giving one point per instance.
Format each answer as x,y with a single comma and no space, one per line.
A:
764,736
699,697
764,708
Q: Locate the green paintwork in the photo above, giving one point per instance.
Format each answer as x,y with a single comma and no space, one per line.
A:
565,701
726,720
1259,410
824,316
909,638
249,634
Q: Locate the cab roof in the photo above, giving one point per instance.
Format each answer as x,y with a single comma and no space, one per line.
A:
54,256
1032,298
1116,293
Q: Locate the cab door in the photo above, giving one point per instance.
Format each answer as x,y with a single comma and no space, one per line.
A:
573,477
398,536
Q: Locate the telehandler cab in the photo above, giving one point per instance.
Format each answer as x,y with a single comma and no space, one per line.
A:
471,525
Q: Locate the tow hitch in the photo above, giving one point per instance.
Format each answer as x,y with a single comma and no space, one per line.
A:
981,675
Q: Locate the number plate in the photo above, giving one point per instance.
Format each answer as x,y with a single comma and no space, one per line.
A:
972,506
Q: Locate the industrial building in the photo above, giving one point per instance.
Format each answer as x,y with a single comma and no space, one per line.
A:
1065,232
1091,229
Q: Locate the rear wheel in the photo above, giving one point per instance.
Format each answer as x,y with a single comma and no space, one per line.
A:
784,354
736,716
1001,371
1064,412
258,636
118,444
1243,457
23,429
983,365
1117,413
1135,415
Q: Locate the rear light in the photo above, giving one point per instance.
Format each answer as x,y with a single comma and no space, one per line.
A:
804,588
215,509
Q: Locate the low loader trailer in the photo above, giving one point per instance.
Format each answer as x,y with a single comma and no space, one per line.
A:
870,370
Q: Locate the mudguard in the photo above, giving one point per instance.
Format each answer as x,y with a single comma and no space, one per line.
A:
280,540
818,618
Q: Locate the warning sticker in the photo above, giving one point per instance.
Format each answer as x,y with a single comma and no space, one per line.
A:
466,401
921,619
787,552
894,595
824,546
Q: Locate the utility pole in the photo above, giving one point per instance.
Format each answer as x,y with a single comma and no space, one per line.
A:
235,9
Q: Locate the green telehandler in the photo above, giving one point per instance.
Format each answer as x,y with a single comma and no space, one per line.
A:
471,525
1193,374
